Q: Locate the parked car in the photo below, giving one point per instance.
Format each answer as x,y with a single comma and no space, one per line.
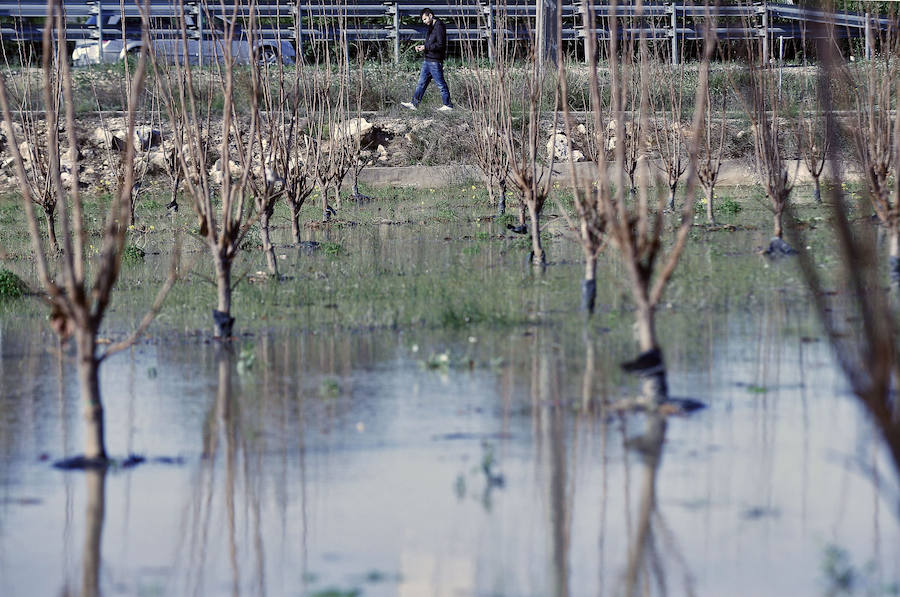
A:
167,43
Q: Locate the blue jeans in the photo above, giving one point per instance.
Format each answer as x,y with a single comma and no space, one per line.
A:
431,69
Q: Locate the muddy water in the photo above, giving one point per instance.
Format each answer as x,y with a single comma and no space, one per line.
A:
418,453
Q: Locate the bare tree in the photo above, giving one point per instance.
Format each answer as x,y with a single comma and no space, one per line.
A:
866,349
875,86
223,223
709,160
588,194
27,95
634,227
485,97
80,299
297,158
522,142
763,103
667,105
812,142
355,147
267,184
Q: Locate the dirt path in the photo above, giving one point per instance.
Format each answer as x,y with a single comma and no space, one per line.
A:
733,173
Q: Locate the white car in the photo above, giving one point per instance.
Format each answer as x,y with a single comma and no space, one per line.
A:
167,43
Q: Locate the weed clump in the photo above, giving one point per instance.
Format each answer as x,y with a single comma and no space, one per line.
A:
133,254
729,207
332,249
11,285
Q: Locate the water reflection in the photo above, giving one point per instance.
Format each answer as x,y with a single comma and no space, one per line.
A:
332,462
652,542
95,512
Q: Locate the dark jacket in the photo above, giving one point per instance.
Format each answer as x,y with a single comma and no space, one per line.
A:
436,41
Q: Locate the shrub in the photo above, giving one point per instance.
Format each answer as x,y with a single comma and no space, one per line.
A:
11,285
132,254
729,206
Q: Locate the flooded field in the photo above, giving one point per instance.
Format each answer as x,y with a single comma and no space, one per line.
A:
415,411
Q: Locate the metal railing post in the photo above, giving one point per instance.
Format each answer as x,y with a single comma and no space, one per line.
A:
298,24
200,45
674,35
393,6
868,36
780,64
489,10
100,32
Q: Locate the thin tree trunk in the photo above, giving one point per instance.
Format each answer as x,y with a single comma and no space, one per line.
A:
589,284
672,189
779,231
537,251
295,223
654,387
818,189
51,229
894,256
93,532
501,204
224,322
646,327
268,247
710,195
92,406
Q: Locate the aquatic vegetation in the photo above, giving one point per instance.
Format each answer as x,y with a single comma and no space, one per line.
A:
337,593
246,359
843,577
330,387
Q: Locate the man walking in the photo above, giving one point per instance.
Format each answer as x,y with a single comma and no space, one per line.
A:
435,49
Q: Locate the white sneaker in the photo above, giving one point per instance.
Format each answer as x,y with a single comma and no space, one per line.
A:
445,109
408,105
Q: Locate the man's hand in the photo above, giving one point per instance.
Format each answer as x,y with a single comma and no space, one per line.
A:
420,47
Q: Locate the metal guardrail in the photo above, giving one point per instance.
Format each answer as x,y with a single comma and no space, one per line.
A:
386,21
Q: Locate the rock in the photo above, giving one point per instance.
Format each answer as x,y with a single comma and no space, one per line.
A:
558,146
69,180
108,139
359,128
25,150
18,133
147,137
217,173
113,137
157,162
